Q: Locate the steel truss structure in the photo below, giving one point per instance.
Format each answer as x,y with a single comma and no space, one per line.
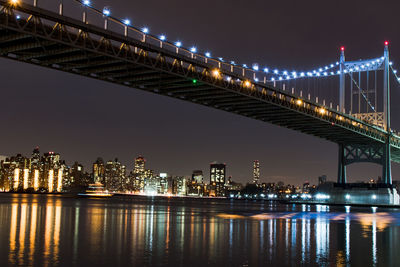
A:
349,154
47,39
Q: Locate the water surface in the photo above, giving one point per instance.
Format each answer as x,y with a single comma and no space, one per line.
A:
49,230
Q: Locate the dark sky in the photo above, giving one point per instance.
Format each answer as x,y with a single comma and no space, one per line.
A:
82,118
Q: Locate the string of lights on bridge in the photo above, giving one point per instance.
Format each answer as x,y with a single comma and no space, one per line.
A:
274,75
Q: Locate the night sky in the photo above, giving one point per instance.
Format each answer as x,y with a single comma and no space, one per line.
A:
83,118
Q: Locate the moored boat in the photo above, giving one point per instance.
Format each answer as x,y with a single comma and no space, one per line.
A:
96,190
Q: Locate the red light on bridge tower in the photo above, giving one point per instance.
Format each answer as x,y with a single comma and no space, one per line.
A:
342,48
386,43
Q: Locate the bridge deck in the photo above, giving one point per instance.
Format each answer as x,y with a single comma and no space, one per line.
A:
50,40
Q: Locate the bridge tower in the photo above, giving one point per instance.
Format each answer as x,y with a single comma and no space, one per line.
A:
355,153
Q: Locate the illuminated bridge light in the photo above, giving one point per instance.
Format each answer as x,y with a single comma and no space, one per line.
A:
247,83
193,49
285,73
163,37
216,73
127,22
280,78
85,2
255,67
106,12
233,63
276,71
208,54
299,102
266,70
145,30
178,44
322,111
273,79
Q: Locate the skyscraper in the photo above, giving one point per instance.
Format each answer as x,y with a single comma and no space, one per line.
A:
139,172
256,171
98,171
139,166
115,175
217,178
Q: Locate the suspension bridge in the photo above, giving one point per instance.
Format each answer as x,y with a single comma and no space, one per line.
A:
100,46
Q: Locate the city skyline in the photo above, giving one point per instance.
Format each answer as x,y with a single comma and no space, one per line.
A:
97,116
138,165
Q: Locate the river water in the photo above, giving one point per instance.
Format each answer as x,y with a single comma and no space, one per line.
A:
50,230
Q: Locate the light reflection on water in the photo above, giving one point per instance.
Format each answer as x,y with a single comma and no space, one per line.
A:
50,230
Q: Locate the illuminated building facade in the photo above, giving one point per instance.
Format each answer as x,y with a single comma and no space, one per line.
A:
38,173
98,171
256,172
195,187
115,176
217,179
139,173
197,176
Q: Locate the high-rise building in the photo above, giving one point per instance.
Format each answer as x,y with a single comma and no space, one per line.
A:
217,178
140,163
115,176
256,171
78,176
98,171
139,173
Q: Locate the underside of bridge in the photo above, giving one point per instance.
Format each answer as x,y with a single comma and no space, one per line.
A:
50,40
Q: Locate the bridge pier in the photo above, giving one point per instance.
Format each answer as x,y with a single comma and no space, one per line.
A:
386,165
341,165
379,154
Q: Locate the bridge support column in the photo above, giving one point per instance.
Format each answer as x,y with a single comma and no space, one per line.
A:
386,164
341,165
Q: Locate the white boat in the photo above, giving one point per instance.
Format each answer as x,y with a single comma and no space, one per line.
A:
96,190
